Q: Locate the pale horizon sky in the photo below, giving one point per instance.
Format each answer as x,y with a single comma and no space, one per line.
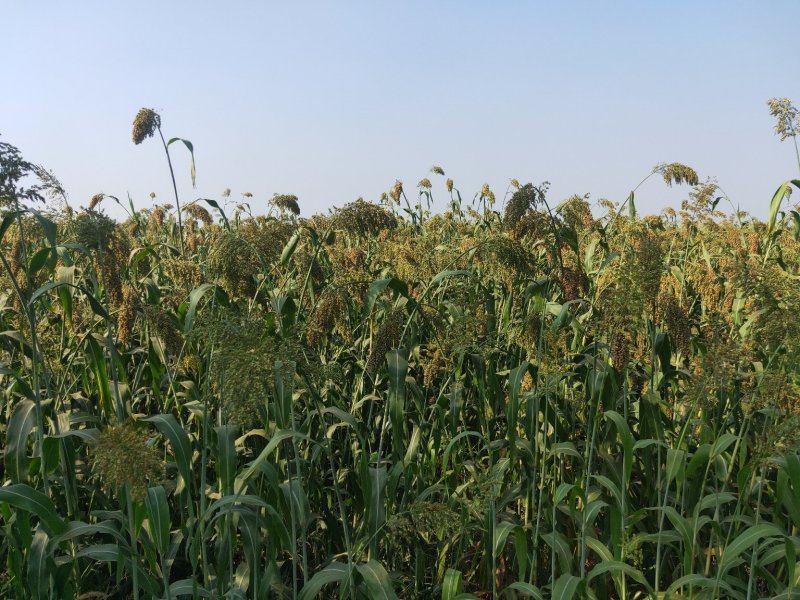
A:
332,101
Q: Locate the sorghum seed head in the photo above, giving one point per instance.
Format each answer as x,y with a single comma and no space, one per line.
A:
145,124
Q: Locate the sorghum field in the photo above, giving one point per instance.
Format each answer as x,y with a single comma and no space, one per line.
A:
516,398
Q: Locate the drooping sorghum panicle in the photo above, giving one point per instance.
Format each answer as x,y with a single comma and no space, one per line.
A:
330,313
126,318
195,212
574,284
449,185
678,173
242,363
701,198
124,457
621,350
364,219
348,261
488,194
145,124
425,184
396,191
183,273
523,200
437,169
777,325
386,338
162,325
158,216
647,262
233,263
704,282
676,319
653,222
504,259
93,229
268,236
423,522
308,265
577,213
95,200
787,115
774,403
114,263
286,203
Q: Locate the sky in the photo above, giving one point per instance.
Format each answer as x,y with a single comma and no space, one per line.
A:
332,101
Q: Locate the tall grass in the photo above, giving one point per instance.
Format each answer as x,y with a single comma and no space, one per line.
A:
507,400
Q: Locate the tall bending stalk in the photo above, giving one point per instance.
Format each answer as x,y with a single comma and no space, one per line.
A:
174,187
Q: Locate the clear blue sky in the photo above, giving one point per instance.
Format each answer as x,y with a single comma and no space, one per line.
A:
335,100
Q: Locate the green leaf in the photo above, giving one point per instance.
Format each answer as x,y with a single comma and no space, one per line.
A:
226,456
452,585
100,552
194,299
24,497
397,371
270,448
158,515
335,572
38,567
187,587
190,147
697,581
565,587
290,247
627,442
20,426
526,589
169,427
775,205
377,288
377,581
94,303
616,567
78,528
441,276
746,540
